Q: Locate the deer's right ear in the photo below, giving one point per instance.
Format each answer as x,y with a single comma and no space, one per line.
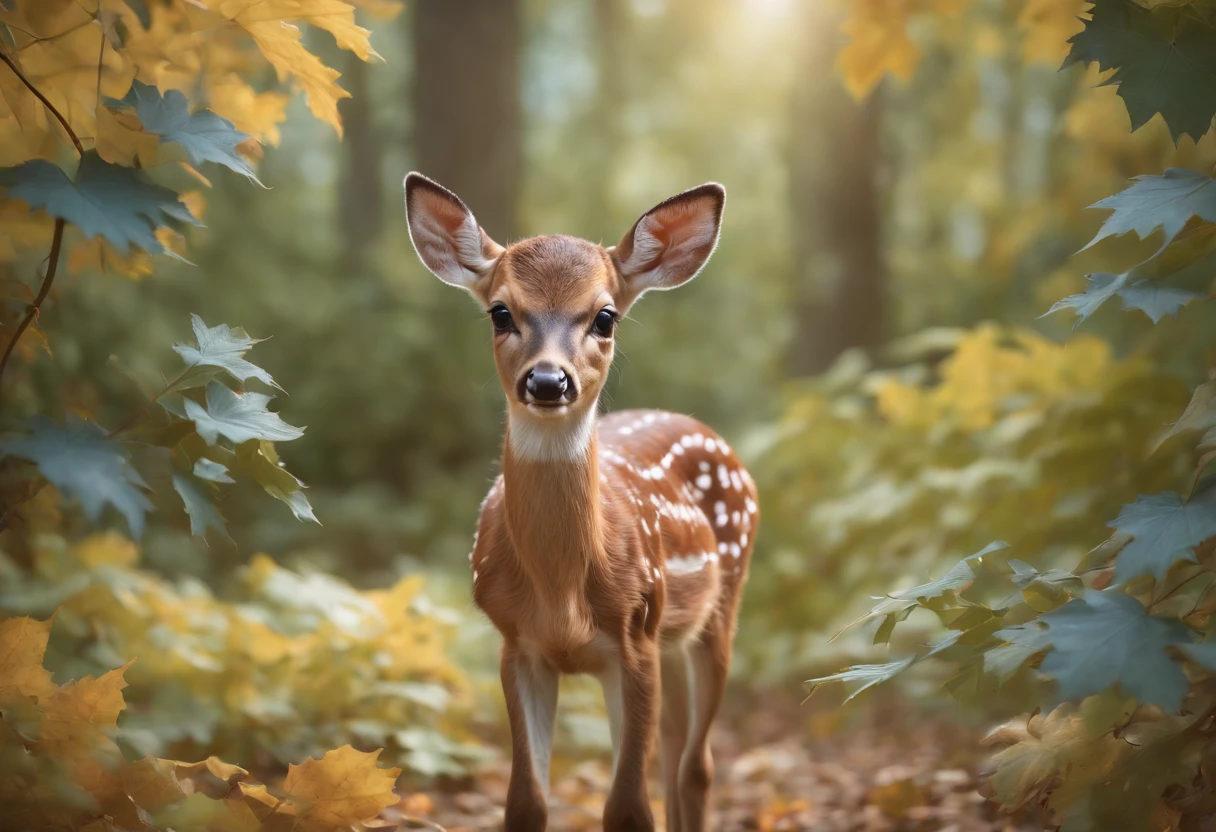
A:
446,236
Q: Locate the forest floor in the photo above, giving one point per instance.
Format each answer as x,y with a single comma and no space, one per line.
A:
890,773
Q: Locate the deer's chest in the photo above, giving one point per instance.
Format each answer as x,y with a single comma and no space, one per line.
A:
552,618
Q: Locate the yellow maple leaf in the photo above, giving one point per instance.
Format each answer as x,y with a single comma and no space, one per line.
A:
121,140
1046,27
22,646
151,784
345,786
257,113
280,44
106,549
22,229
380,9
878,44
93,701
334,16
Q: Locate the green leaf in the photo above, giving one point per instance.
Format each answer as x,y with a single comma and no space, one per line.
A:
1167,202
205,136
1164,61
222,347
958,577
1149,297
868,674
81,462
260,460
1104,639
203,514
1200,413
117,203
1164,528
238,417
1156,300
206,469
1044,590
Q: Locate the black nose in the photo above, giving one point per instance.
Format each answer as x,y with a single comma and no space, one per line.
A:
546,382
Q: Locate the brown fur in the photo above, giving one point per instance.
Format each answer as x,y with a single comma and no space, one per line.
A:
623,552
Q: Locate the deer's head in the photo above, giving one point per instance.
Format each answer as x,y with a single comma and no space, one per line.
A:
554,301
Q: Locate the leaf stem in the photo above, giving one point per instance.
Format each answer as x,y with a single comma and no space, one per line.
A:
32,312
57,240
71,133
1154,602
136,417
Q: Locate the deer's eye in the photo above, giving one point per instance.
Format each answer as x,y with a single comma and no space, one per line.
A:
604,321
501,316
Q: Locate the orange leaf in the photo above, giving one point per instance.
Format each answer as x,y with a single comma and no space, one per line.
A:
343,787
22,646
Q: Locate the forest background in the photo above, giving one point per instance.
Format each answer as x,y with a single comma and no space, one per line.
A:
907,186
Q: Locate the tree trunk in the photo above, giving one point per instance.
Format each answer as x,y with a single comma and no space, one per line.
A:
467,120
361,190
840,275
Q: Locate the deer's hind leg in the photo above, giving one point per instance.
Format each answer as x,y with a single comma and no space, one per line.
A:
673,729
707,665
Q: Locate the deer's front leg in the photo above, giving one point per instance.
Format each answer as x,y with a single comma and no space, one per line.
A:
628,808
530,688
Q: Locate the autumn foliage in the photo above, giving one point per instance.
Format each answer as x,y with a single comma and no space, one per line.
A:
1035,497
62,769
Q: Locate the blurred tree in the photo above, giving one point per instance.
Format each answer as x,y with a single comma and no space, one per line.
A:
361,189
610,22
834,159
467,104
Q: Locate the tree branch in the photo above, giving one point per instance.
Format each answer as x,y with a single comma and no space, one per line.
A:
32,312
57,240
71,133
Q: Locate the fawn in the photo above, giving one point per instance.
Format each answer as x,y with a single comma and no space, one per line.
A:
614,546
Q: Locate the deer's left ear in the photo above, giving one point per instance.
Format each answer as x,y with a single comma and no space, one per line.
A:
673,240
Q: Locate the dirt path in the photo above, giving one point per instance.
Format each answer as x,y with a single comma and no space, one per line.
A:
772,776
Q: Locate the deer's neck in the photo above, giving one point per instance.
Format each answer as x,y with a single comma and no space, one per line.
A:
552,495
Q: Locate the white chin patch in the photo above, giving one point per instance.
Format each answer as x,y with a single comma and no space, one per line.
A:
536,438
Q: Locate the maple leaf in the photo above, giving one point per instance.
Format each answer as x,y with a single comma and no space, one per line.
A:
266,21
225,348
1167,202
259,459
334,16
1200,413
205,136
106,200
79,460
256,113
1163,59
207,469
1136,292
878,44
1164,530
22,645
238,417
344,787
1105,639
203,515
868,674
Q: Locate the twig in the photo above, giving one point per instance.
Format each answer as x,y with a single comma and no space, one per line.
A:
32,312
57,239
45,102
135,418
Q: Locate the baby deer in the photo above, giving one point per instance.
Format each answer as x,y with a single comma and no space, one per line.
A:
614,546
